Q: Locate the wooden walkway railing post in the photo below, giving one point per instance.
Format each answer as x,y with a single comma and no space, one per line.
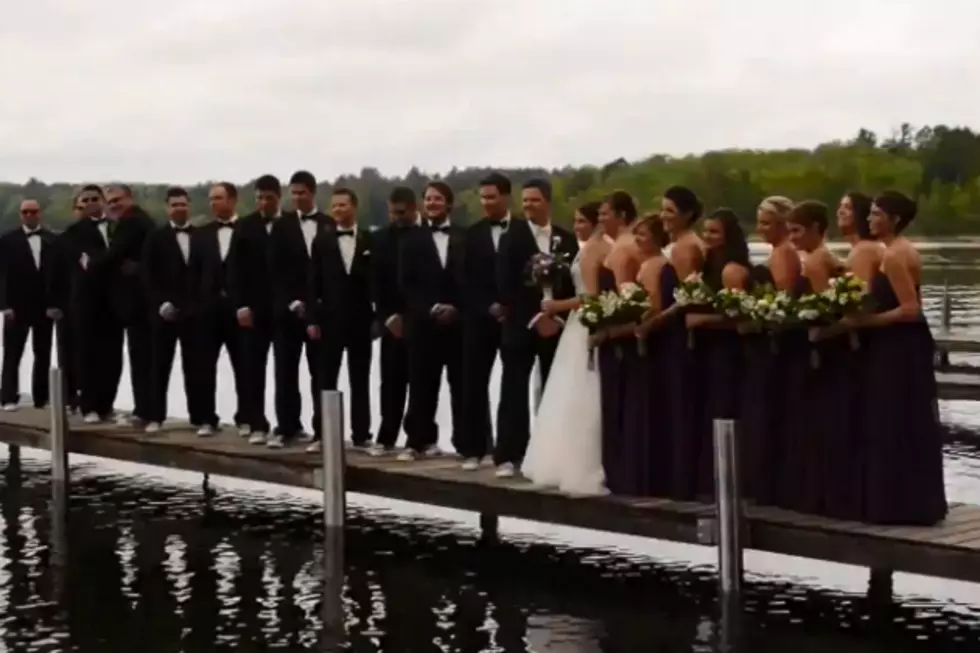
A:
729,509
942,353
334,514
58,434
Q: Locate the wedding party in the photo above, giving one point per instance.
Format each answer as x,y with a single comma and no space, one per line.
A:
642,328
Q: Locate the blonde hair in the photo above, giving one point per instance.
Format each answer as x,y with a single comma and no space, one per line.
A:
778,205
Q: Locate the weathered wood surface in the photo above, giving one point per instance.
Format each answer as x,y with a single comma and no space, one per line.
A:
958,343
958,385
950,550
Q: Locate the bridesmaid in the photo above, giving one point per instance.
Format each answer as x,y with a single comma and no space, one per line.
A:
718,347
830,420
616,216
903,481
680,209
648,397
853,214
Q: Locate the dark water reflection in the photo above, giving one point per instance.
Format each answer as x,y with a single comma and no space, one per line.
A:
154,567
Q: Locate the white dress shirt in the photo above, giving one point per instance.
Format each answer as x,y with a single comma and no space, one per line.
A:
183,241
499,229
309,228
542,236
34,241
104,230
347,242
224,238
441,240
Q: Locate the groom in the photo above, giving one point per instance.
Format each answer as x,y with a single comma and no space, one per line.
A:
526,334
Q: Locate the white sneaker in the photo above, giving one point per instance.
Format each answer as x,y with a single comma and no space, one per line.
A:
10,407
314,447
506,470
152,427
275,441
378,450
432,451
244,430
407,456
257,438
126,420
471,464
205,431
91,418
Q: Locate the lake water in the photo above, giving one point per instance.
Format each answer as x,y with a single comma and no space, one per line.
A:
158,563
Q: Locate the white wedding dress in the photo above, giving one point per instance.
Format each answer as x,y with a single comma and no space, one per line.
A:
565,451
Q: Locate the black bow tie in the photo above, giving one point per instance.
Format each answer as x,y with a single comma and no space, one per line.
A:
33,232
442,229
502,224
225,225
267,220
345,232
181,227
311,216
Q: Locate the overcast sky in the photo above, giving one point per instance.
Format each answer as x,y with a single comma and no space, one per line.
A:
187,90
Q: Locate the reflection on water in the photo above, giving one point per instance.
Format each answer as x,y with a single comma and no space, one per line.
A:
156,563
163,567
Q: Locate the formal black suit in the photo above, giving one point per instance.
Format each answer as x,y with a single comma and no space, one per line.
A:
167,279
481,333
426,281
25,292
252,271
59,290
99,341
520,345
289,269
129,303
388,302
217,299
340,303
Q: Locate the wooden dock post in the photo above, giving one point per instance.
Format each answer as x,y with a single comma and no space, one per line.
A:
59,479
942,353
334,514
881,587
729,509
489,528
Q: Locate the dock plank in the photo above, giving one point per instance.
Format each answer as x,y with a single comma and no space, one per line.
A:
950,550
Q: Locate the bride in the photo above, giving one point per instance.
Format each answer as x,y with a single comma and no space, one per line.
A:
565,450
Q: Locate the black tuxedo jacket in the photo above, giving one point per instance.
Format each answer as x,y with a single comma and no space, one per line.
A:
165,274
520,300
289,260
480,288
25,286
252,262
385,264
424,281
213,279
341,301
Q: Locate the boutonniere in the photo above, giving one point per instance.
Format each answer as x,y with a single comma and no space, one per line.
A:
366,252
555,242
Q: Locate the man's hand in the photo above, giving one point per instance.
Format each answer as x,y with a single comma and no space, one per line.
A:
83,261
168,311
445,314
53,313
244,317
298,308
395,325
497,311
547,327
313,332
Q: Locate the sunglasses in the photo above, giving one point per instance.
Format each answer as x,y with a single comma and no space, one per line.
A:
29,212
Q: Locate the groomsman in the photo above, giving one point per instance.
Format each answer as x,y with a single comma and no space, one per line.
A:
170,293
255,316
482,316
29,256
341,310
291,245
132,226
58,282
430,266
527,335
213,250
390,310
91,259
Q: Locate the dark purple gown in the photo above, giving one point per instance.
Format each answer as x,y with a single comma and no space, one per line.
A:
611,380
904,481
644,456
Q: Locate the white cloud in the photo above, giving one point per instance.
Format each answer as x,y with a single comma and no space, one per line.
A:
195,89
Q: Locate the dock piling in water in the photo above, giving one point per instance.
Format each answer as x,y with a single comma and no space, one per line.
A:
59,428
332,448
729,509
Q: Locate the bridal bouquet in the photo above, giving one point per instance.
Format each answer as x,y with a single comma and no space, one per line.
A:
769,307
632,303
847,294
693,291
596,313
733,303
544,271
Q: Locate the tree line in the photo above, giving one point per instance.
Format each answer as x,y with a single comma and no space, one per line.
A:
938,165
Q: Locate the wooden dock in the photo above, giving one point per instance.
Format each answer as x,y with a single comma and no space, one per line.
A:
951,550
